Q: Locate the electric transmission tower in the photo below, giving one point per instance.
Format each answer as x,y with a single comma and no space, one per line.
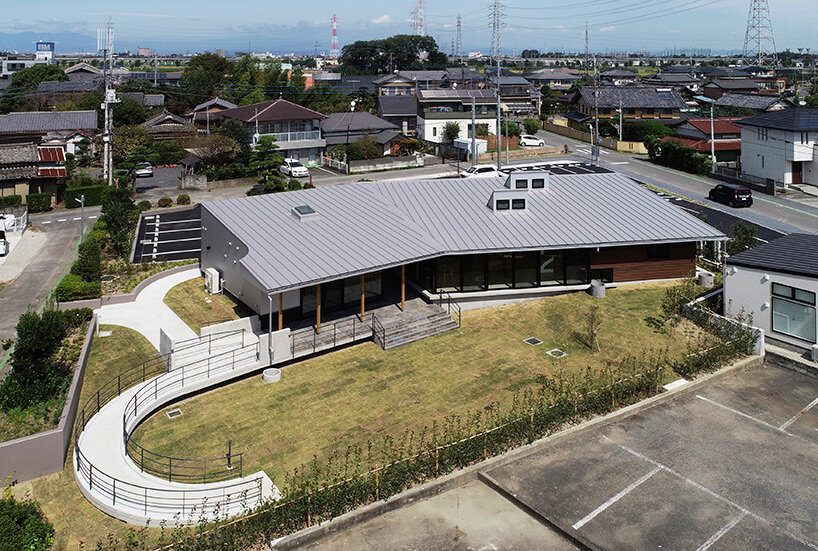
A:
459,38
417,19
496,23
334,50
759,43
586,45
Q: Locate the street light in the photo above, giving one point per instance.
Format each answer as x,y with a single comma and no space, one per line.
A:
81,201
712,134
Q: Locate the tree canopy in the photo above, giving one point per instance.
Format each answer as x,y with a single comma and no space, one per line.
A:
398,52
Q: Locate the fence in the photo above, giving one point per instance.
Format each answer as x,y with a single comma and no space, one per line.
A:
311,341
384,163
452,307
610,143
340,166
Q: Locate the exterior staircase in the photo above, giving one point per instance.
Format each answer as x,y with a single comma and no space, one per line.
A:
415,324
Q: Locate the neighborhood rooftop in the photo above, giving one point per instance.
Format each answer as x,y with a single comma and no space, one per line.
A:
270,111
796,120
795,254
363,227
44,121
646,97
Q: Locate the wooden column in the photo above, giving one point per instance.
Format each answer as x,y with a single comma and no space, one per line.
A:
362,297
318,308
403,288
280,311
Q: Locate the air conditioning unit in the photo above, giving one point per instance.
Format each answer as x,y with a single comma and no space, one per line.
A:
213,281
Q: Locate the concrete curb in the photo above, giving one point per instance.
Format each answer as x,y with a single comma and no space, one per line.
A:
472,473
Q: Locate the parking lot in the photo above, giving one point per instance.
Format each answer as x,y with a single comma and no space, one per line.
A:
168,236
728,466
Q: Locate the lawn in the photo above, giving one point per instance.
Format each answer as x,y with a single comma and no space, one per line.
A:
360,393
75,520
197,308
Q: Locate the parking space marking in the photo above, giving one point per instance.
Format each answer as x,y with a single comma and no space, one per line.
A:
724,529
621,163
742,414
798,415
47,222
165,241
77,218
61,220
91,217
590,516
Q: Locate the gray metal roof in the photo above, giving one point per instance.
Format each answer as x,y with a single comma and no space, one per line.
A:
397,105
355,121
635,97
795,254
363,227
798,119
748,101
45,121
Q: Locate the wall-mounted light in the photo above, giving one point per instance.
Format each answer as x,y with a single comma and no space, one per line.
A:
765,278
732,271
765,305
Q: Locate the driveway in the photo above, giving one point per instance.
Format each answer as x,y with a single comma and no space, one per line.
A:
727,464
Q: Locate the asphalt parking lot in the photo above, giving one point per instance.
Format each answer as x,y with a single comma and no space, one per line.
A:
728,466
167,236
165,178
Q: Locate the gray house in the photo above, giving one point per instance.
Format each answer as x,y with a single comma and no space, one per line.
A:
311,252
351,127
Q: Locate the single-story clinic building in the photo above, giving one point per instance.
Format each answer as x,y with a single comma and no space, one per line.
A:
303,253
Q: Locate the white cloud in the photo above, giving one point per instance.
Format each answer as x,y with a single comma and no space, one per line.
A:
382,20
606,29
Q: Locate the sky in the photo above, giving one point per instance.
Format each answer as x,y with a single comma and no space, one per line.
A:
281,27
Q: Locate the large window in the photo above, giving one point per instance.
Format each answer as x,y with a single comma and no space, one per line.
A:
794,312
501,271
551,272
576,267
525,269
474,272
448,274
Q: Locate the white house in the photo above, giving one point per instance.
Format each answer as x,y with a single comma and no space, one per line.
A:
436,108
776,284
780,145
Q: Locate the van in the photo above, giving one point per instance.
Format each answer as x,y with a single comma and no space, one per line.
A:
732,194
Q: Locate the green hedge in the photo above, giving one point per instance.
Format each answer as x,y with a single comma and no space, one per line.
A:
11,200
38,202
72,287
93,196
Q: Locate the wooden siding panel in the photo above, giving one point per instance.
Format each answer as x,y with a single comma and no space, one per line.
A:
633,264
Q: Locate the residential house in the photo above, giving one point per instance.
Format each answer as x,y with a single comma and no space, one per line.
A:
401,111
781,146
352,126
83,71
403,83
619,76
27,168
33,126
166,126
688,81
477,240
463,77
695,133
50,93
636,102
556,79
438,107
168,78
517,95
11,64
296,129
744,104
148,101
708,72
775,285
716,88
203,114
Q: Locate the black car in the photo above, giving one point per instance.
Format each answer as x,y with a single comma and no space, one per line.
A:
732,194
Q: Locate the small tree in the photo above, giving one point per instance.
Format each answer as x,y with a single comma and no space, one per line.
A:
593,321
369,148
89,262
119,214
451,131
532,126
215,150
743,237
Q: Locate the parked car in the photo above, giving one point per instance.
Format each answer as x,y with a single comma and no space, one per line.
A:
4,245
143,170
732,194
481,171
531,141
294,169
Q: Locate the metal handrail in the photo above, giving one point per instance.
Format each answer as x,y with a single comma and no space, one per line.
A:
154,500
378,331
196,341
176,469
330,334
452,305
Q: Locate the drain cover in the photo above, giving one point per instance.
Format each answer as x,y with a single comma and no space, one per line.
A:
532,341
556,353
174,413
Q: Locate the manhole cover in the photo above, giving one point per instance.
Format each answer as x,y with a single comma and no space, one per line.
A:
532,341
174,413
556,353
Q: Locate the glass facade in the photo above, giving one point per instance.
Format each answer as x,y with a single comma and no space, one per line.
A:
339,294
498,271
794,312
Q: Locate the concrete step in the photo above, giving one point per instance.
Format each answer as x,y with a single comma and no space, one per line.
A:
791,360
404,333
417,336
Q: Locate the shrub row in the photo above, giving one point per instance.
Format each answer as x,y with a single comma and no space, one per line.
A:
72,287
38,202
93,196
11,200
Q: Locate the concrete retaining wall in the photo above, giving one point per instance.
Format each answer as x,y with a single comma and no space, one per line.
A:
198,182
386,163
527,153
44,453
95,303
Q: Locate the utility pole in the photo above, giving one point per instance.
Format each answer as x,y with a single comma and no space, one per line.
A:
596,112
473,132
105,42
586,44
496,23
155,70
620,120
712,138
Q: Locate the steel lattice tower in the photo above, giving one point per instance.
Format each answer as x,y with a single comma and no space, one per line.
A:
759,43
496,23
417,20
459,39
334,50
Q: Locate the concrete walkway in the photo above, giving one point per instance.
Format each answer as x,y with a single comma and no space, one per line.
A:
149,312
104,472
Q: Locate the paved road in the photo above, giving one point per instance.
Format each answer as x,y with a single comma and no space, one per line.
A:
726,466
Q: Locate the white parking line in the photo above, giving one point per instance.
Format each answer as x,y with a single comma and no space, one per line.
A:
604,152
742,414
590,516
798,415
621,163
149,241
92,217
717,536
47,222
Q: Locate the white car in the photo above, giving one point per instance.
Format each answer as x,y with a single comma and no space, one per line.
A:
294,169
481,171
143,170
531,141
4,245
